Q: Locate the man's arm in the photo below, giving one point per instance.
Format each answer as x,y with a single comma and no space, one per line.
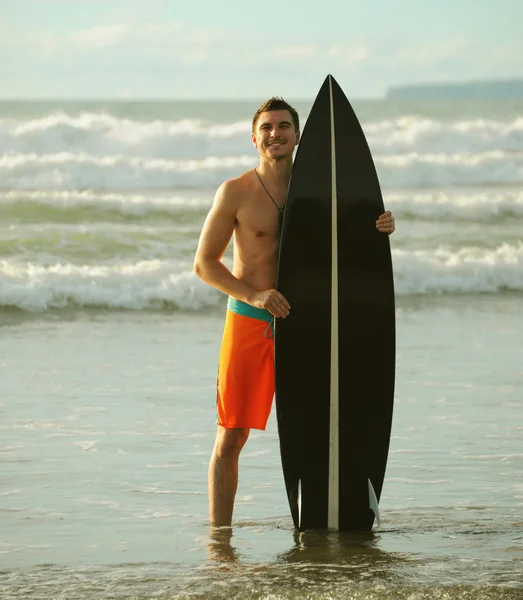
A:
214,239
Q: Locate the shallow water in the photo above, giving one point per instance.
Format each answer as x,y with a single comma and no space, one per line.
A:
107,423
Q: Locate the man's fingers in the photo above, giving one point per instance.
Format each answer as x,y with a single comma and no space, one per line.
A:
281,309
278,305
274,302
385,223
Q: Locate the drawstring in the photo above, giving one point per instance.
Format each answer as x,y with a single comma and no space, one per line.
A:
271,327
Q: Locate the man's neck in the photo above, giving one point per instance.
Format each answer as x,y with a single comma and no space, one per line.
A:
277,172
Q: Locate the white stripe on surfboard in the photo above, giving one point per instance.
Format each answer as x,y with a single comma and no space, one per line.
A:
333,507
299,503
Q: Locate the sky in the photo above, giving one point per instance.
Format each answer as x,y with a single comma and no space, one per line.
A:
241,49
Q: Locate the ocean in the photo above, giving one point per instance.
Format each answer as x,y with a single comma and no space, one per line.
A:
109,347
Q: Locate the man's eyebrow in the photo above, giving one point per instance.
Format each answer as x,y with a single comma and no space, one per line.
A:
284,122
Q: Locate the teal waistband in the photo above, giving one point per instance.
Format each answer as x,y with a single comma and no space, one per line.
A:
246,310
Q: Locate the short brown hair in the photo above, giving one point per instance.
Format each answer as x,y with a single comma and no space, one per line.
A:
276,103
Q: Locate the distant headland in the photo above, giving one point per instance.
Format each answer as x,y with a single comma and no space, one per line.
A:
494,89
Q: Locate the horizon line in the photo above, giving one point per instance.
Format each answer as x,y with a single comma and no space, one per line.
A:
153,99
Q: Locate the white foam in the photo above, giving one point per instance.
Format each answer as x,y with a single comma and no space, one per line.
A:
467,270
10,492
66,171
87,446
101,133
128,204
429,135
69,171
156,283
416,170
471,205
156,515
476,205
101,151
146,284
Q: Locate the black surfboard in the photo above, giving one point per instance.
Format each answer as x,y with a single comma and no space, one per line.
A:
335,352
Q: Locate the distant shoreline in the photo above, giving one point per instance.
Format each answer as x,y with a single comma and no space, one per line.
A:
506,89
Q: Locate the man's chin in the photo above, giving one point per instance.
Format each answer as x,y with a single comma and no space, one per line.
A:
280,154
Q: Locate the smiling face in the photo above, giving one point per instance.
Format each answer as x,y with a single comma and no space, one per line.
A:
274,134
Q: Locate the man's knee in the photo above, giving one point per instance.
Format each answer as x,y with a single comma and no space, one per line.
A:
229,442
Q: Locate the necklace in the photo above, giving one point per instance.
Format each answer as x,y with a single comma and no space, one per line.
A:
280,208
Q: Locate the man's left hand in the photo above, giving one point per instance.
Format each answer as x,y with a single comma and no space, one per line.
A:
385,223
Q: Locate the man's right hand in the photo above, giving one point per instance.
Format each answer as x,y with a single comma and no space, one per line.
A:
273,301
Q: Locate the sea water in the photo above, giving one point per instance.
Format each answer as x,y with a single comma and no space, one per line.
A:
109,348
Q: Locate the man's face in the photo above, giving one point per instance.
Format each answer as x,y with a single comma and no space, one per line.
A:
274,135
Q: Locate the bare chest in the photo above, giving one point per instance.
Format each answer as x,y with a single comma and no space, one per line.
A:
259,217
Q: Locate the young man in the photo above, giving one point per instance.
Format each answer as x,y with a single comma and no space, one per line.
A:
249,206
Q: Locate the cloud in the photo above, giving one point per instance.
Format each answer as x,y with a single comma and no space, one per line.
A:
349,55
296,52
342,55
177,41
100,37
431,54
131,36
455,59
148,56
505,57
114,35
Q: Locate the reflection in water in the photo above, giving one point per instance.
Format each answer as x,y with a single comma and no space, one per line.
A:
354,556
317,565
220,548
327,565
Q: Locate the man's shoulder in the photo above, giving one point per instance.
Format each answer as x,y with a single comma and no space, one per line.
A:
236,186
240,182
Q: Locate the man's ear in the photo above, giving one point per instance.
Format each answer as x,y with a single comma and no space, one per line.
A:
254,140
297,138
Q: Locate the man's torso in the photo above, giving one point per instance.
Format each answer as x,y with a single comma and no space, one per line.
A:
256,233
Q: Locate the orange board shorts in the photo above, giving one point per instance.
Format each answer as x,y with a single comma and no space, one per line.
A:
246,367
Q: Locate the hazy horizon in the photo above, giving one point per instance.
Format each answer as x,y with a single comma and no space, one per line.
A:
252,98
159,50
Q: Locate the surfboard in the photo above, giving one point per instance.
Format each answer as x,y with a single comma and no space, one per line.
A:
335,352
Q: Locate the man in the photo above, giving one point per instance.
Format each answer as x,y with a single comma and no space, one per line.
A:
249,206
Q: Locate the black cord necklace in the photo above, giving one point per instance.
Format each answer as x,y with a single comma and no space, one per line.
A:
280,208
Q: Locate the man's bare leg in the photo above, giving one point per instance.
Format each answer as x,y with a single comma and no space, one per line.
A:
223,474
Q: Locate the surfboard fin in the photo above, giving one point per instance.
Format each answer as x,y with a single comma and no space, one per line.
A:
373,503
